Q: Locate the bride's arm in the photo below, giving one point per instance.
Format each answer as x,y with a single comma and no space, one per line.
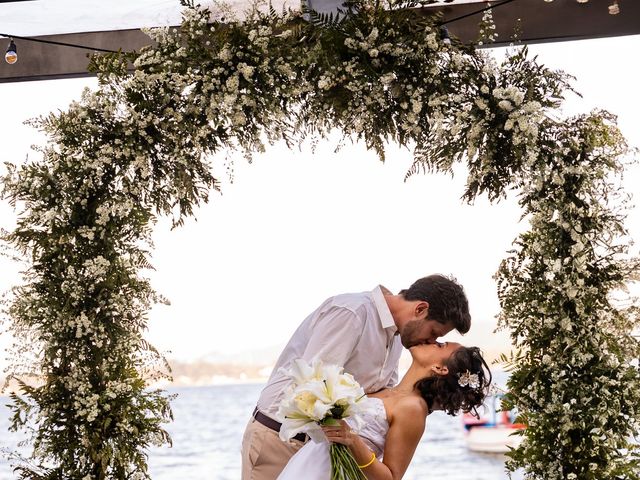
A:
405,430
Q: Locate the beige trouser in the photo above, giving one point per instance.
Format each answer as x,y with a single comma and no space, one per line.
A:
264,455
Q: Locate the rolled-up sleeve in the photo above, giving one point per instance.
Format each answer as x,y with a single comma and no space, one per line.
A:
334,336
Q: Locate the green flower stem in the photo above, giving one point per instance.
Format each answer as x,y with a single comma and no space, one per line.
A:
343,465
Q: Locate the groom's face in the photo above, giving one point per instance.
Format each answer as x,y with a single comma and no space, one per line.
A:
422,330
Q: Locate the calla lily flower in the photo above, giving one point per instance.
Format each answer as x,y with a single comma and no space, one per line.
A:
318,393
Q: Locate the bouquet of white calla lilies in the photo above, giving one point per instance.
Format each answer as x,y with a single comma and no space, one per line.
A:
322,395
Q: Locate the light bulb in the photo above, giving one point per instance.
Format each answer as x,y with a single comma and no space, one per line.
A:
11,56
614,8
548,1
582,1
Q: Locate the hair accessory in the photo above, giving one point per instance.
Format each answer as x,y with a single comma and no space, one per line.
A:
469,379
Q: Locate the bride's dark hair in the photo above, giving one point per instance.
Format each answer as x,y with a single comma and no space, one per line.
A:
445,392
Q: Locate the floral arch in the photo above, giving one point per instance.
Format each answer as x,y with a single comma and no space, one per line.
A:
137,148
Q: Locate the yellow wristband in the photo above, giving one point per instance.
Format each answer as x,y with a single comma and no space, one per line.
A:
373,459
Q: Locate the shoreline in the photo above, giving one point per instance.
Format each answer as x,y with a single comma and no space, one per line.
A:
222,382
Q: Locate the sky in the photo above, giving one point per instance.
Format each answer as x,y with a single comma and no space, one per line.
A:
295,227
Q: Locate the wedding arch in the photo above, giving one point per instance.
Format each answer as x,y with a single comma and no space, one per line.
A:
138,146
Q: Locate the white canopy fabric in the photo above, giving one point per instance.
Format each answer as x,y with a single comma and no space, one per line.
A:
49,17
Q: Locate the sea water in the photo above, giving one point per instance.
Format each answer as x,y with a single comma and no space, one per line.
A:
209,423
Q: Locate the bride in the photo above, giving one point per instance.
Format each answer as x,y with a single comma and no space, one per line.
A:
442,376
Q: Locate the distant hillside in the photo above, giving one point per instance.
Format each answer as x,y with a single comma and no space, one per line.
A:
209,373
215,368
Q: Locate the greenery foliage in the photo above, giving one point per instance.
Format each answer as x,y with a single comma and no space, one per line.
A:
139,146
562,297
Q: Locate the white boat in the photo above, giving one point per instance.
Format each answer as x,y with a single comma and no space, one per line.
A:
492,439
494,432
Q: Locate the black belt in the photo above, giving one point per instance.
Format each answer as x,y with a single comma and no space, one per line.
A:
275,426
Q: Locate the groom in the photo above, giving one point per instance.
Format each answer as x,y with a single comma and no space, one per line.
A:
364,333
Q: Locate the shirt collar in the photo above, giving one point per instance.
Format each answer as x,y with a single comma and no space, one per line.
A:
386,319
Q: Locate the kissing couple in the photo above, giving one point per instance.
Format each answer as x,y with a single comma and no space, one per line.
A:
364,333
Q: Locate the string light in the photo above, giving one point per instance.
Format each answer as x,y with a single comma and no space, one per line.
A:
614,8
470,14
11,56
53,42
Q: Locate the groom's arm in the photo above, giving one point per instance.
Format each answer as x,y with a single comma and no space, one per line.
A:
334,336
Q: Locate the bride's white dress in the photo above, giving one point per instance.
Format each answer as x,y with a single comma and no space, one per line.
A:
312,461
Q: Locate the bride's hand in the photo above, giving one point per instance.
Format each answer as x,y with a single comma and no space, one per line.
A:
340,433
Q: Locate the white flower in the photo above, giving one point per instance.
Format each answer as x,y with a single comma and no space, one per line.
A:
350,43
373,36
387,78
238,119
233,83
301,372
531,107
246,70
229,100
469,379
505,105
432,42
481,103
317,393
225,55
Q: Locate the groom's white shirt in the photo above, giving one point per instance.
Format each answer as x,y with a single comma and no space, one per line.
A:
354,330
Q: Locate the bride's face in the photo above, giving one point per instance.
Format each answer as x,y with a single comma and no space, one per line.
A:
431,355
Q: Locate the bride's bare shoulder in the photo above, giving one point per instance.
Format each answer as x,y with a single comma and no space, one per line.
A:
407,408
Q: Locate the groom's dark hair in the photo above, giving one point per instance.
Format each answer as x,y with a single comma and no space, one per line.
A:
447,301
